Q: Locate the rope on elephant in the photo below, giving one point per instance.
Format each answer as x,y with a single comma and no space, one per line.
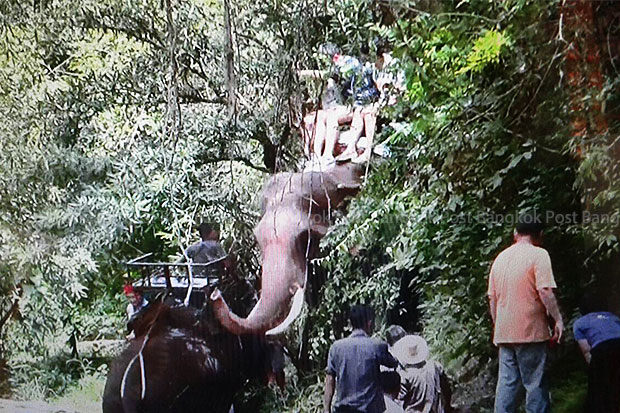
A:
140,357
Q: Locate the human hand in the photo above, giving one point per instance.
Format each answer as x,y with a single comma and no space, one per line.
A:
558,329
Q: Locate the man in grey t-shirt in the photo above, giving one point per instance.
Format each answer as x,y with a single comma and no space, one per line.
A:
208,249
353,368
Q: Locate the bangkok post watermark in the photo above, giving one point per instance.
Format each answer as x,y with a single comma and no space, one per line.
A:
547,218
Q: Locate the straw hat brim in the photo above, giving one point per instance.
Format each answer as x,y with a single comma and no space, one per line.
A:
411,349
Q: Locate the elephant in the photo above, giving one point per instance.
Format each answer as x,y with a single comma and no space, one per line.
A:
296,215
182,361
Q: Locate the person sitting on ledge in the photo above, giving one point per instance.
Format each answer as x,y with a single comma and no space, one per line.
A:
136,301
368,87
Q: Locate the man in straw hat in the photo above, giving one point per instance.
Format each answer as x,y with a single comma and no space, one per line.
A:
353,367
521,298
424,384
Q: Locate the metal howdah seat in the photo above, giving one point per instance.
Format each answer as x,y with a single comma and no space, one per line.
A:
154,277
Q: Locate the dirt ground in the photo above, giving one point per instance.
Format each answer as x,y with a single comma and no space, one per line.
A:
12,406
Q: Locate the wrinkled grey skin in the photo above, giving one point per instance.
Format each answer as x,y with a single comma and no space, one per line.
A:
190,364
296,206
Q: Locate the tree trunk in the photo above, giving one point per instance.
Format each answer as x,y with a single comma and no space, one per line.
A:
584,76
231,81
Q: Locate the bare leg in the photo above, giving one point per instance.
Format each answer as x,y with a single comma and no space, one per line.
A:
320,129
370,122
357,127
331,135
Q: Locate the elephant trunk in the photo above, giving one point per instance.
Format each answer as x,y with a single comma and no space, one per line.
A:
270,310
261,319
282,283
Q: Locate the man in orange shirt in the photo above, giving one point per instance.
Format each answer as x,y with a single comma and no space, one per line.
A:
521,298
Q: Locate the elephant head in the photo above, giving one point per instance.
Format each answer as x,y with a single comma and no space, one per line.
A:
296,215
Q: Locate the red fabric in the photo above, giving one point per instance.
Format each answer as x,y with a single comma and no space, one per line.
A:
128,289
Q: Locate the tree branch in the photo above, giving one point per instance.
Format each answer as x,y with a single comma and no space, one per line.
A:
231,81
194,96
90,22
12,309
241,159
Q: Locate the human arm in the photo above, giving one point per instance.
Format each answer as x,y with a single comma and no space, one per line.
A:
492,296
551,304
385,358
580,332
584,346
130,311
545,283
330,386
330,379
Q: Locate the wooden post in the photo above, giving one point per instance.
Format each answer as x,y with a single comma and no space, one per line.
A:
167,275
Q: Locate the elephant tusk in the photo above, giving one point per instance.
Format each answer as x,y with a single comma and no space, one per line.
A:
296,307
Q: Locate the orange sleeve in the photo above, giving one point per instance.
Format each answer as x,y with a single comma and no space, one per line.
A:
543,271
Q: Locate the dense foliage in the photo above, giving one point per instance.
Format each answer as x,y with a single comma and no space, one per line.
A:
124,123
93,173
483,134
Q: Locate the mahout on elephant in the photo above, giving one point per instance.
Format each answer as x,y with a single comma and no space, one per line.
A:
183,361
